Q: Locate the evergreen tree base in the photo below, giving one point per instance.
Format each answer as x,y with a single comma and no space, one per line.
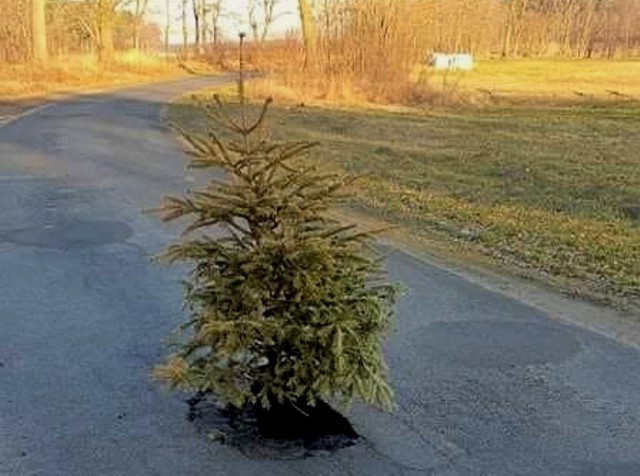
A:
301,421
283,432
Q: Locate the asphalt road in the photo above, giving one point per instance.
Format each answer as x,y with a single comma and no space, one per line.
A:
486,385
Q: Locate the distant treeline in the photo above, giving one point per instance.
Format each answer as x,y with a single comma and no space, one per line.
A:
76,26
384,39
570,28
342,29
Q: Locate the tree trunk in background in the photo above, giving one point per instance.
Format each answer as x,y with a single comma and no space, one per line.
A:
216,14
39,30
185,30
196,19
512,37
106,49
139,15
215,31
203,24
308,29
167,27
106,19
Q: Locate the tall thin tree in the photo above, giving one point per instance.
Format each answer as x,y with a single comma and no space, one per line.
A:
39,30
167,26
308,29
185,30
140,9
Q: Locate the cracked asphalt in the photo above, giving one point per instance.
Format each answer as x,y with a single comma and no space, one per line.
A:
486,384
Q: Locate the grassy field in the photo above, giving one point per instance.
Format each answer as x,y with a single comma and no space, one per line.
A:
550,191
549,80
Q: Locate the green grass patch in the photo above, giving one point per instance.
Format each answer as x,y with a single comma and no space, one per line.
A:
552,191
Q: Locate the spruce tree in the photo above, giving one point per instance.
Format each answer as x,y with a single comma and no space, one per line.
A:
286,305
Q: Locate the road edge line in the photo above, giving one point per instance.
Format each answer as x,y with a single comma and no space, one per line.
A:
16,117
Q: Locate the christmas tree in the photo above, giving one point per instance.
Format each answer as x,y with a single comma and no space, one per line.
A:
286,305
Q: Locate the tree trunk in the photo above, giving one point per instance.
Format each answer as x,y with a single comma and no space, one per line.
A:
196,19
136,34
167,27
106,20
39,30
185,30
203,25
308,29
106,49
139,15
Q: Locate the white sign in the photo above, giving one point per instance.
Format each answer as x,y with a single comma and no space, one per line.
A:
456,61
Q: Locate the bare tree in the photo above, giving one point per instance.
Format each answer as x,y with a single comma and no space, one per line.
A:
308,29
39,30
204,11
261,15
185,29
140,9
104,19
197,11
99,23
216,16
516,10
167,26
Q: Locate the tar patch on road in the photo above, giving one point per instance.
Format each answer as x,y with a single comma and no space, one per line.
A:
241,431
613,469
71,234
488,344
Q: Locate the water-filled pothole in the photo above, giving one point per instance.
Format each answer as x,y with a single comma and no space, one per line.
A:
71,234
495,343
276,435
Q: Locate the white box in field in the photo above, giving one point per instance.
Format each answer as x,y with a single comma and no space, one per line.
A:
460,61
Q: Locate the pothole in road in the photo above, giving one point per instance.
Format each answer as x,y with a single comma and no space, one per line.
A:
71,235
276,435
610,468
495,343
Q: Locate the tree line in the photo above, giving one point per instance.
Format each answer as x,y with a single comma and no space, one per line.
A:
338,29
380,41
570,28
37,29
358,31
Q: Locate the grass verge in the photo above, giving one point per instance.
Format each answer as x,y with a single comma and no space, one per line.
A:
552,192
22,82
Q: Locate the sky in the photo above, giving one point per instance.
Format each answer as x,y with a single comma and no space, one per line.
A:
235,17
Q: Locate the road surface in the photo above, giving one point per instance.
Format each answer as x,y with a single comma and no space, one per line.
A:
486,385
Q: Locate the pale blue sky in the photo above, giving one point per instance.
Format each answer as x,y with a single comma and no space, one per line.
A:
235,17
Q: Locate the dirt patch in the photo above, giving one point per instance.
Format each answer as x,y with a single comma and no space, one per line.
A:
280,434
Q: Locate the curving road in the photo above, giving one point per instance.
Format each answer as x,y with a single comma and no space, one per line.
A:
486,384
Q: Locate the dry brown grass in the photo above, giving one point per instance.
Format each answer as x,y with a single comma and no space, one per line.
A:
78,73
491,83
332,82
342,90
363,55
